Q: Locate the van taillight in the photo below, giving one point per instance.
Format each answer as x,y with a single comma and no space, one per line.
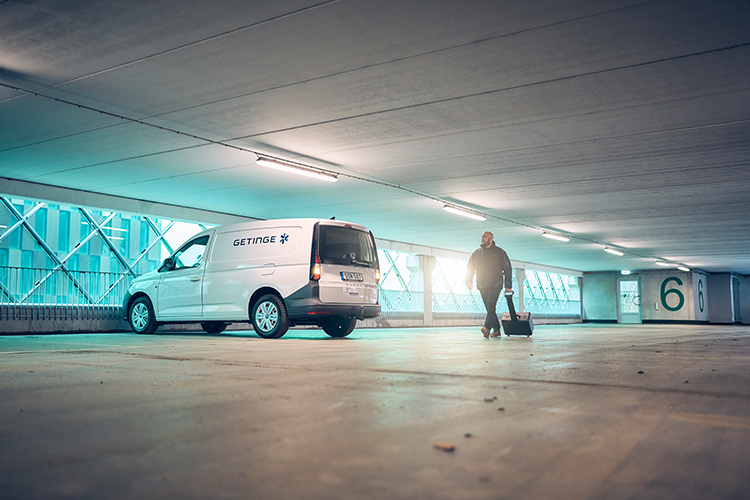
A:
315,272
377,275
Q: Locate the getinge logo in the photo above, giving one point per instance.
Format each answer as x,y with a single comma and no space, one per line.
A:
259,240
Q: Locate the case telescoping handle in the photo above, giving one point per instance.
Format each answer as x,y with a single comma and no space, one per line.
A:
511,307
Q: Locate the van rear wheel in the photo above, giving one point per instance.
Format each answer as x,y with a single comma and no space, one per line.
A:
339,326
268,316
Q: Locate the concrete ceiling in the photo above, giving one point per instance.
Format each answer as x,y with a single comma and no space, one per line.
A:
617,122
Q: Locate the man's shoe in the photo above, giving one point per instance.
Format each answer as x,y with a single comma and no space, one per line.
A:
485,332
496,333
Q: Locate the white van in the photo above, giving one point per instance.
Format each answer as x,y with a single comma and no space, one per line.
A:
275,274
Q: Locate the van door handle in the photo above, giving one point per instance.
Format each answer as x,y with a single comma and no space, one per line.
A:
194,280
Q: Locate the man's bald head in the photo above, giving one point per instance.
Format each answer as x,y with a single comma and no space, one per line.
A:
487,239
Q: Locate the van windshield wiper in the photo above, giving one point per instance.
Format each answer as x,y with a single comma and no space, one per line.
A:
360,263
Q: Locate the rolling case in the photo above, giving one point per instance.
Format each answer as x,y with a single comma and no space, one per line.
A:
516,324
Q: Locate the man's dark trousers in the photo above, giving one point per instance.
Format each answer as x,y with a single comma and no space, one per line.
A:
489,297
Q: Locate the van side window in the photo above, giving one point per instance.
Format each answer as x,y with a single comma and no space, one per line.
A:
191,254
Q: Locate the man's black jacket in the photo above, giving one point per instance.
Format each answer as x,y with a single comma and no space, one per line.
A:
492,266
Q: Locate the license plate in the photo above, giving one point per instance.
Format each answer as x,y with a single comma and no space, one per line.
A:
352,276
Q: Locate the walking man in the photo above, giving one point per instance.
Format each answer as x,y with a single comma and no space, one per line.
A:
493,269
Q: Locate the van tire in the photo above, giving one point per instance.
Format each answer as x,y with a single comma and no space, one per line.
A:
268,316
339,326
141,316
214,326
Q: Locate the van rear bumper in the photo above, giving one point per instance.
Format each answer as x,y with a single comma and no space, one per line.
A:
315,313
305,307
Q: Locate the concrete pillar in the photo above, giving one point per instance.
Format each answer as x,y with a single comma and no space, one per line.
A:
416,284
720,298
520,279
580,295
421,267
744,291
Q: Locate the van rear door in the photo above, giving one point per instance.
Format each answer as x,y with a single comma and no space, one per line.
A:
348,264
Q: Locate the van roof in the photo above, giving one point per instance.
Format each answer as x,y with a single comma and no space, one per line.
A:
286,222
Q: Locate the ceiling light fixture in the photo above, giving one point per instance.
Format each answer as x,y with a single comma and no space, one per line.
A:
270,161
613,251
663,264
555,236
465,212
296,168
683,268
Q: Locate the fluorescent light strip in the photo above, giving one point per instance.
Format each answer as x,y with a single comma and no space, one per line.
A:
554,236
272,163
663,264
295,168
466,213
683,268
613,251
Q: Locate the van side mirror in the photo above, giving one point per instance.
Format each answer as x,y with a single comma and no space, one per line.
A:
167,265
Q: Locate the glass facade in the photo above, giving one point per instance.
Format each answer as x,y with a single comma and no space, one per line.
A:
552,294
62,255
545,293
396,289
449,291
59,254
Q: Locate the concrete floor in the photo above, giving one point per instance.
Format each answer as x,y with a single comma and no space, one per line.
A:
565,414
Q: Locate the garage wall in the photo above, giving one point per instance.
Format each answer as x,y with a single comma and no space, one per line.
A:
666,296
599,296
673,296
744,283
729,299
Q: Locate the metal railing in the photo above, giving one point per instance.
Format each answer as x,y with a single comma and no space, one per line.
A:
43,294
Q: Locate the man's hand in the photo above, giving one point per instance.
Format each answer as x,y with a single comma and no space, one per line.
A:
469,285
508,291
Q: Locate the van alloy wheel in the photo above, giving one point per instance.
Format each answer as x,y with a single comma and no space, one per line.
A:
269,318
141,316
266,316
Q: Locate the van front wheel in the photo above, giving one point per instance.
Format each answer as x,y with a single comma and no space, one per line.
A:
141,316
339,326
268,316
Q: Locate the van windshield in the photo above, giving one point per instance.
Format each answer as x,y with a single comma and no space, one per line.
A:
346,246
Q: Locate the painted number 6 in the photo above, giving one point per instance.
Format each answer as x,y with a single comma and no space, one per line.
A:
665,293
